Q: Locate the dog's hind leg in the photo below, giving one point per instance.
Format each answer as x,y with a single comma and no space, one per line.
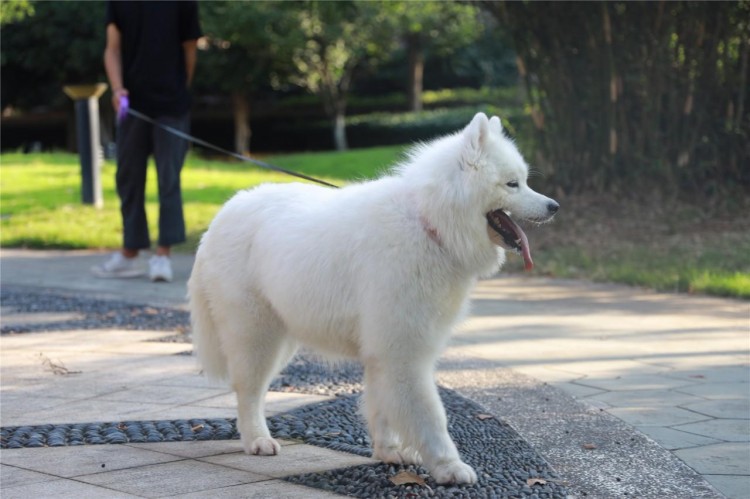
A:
257,348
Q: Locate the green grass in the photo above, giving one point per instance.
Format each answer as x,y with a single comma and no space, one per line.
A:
40,208
40,194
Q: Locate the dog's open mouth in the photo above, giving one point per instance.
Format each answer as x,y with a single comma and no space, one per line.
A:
513,237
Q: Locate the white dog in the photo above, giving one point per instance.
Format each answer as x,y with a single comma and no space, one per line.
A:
379,271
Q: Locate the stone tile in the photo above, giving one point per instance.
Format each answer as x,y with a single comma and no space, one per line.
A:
732,486
673,439
721,374
187,412
578,391
81,411
645,398
195,449
10,476
718,459
718,391
730,409
292,460
61,488
634,382
152,394
275,401
66,462
171,479
655,416
730,430
271,489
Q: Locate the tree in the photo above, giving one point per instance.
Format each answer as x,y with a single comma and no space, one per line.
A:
423,25
622,91
48,45
337,39
246,42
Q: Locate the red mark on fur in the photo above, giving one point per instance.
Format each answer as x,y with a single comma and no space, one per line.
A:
431,231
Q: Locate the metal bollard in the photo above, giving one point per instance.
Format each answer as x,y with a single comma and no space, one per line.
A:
86,99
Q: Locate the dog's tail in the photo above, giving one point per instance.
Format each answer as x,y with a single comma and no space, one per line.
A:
206,341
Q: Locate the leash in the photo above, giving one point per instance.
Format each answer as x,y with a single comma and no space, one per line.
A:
125,109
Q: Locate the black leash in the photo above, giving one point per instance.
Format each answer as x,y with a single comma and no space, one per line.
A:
203,143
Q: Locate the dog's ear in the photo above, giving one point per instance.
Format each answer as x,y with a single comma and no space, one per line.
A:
496,126
475,136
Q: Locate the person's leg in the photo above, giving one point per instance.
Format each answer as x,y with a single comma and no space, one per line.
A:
133,148
169,153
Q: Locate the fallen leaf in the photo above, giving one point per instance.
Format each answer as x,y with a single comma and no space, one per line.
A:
482,417
589,446
536,481
197,427
407,477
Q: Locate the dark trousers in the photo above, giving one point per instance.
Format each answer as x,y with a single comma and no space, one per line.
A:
136,140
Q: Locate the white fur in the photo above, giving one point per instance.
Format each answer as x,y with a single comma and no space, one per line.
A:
379,271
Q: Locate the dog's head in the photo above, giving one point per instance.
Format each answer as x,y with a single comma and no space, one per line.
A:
498,174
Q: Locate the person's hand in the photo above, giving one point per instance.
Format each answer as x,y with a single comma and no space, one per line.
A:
116,98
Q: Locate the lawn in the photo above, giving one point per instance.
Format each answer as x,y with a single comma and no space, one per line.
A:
668,247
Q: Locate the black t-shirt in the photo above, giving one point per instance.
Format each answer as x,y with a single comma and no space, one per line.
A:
153,60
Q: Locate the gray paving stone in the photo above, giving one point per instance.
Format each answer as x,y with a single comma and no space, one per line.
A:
713,374
673,439
719,459
292,460
645,398
730,409
732,486
656,416
170,479
578,391
635,382
72,461
61,488
10,476
719,391
198,448
272,489
730,430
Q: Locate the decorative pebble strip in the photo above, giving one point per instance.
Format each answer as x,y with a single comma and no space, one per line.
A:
505,464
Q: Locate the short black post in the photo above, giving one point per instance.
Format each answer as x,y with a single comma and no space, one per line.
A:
86,99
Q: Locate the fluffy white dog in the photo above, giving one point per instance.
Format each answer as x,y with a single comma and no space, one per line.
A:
379,271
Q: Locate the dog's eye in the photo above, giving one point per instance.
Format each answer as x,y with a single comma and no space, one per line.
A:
512,184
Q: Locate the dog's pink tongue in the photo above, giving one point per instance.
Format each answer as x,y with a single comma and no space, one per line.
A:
528,263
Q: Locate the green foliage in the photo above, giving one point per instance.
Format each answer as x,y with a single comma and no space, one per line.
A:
636,93
62,43
12,11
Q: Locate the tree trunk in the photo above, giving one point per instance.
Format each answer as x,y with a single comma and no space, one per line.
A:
339,131
416,72
242,132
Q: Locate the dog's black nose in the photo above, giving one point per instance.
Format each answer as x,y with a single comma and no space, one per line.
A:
552,207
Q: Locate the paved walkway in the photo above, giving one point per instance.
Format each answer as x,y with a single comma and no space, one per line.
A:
579,370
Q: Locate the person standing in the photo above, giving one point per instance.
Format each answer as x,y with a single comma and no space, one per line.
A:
150,58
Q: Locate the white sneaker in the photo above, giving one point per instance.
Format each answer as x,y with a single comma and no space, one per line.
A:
118,267
160,268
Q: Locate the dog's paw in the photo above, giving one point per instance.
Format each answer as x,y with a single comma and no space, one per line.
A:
454,472
397,455
263,446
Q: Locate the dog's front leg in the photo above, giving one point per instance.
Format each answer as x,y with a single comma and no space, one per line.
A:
408,394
